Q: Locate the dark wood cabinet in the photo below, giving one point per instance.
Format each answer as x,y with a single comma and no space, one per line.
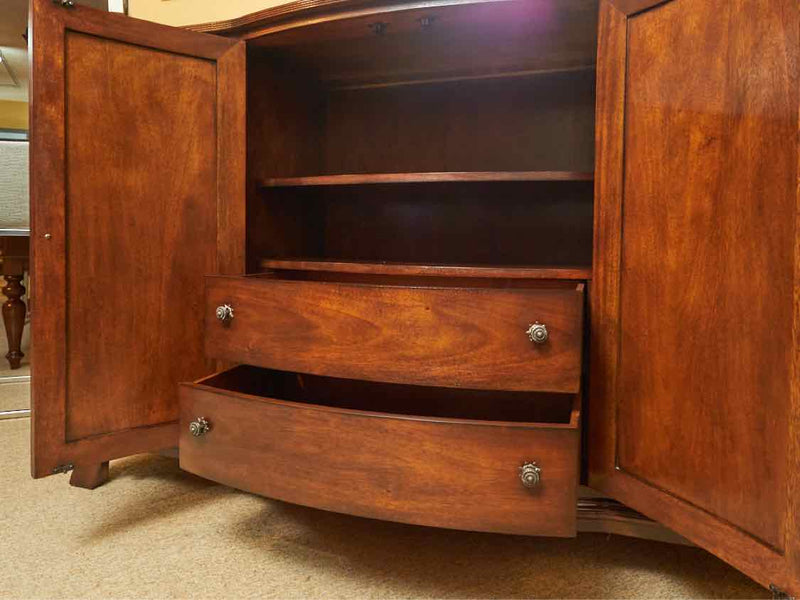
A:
432,239
695,293
137,188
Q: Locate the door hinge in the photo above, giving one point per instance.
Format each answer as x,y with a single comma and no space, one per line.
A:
63,468
778,593
65,3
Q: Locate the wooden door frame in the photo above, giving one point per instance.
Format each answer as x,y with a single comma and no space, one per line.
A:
49,23
761,562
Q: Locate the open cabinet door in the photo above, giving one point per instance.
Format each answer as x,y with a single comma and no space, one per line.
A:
137,192
695,402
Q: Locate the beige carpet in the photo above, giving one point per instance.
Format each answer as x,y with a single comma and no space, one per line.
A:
25,367
155,532
14,394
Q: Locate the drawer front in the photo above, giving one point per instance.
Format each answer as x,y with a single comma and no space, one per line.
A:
442,473
456,337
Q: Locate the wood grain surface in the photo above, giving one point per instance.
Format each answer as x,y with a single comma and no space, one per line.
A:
423,270
694,293
433,177
137,193
426,470
458,337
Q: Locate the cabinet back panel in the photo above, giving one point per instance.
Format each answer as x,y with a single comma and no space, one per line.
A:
514,224
452,223
297,126
543,123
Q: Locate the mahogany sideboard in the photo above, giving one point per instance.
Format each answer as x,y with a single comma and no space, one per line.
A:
435,262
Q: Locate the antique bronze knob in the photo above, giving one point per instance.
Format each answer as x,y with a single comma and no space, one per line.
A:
225,313
538,333
199,426
530,474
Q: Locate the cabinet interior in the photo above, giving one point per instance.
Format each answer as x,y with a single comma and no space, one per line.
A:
397,399
460,135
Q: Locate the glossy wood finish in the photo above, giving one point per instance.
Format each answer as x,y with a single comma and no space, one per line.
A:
458,147
114,247
137,193
14,318
421,270
442,177
791,526
14,262
724,225
695,291
456,337
362,460
695,302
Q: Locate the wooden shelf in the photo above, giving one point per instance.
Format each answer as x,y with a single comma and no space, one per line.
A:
441,177
412,269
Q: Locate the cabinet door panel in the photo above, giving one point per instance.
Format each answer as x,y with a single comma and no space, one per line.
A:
695,303
137,192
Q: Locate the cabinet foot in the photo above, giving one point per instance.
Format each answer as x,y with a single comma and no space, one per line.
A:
89,476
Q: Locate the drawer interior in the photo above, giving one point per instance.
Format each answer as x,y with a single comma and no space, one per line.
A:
548,409
424,455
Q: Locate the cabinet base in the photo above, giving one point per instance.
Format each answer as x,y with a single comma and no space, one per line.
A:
89,476
597,514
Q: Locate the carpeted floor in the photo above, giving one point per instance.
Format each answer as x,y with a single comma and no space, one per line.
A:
14,393
25,368
156,532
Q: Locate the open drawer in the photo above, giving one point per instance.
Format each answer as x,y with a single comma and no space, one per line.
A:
463,459
465,337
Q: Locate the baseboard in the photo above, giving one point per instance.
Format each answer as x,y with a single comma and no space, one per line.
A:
23,413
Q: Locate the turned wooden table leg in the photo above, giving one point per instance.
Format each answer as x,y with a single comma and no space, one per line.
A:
89,476
14,318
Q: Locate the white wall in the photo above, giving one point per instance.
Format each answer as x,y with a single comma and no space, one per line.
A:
190,12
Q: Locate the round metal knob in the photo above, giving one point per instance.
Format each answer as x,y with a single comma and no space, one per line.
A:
530,474
199,427
538,333
225,313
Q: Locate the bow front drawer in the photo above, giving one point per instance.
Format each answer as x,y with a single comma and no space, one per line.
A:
465,459
481,338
